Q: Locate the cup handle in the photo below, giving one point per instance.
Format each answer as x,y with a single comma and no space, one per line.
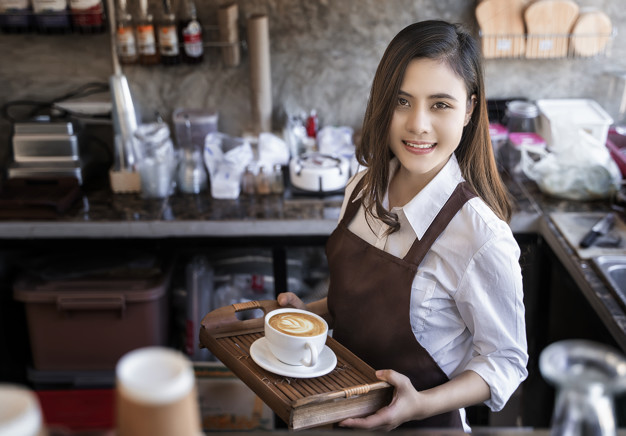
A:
314,354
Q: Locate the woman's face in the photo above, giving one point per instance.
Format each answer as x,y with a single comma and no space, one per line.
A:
431,110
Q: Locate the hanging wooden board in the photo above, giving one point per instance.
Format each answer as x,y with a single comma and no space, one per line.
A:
548,24
502,28
591,33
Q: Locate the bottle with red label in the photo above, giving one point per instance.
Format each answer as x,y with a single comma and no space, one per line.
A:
169,47
87,15
312,124
190,32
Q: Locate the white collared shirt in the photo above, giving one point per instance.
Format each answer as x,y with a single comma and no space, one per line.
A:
467,306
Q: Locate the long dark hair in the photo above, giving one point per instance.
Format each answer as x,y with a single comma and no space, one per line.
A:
451,44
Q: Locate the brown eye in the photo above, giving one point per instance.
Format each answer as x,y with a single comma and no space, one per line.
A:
402,101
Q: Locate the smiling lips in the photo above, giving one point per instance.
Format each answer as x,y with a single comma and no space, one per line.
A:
419,146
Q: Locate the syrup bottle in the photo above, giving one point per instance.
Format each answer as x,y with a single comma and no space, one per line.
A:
168,36
146,37
87,15
51,16
125,36
190,33
15,16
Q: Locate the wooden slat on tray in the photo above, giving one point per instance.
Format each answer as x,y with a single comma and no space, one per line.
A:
350,389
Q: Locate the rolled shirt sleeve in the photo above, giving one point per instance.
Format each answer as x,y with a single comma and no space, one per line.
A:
490,301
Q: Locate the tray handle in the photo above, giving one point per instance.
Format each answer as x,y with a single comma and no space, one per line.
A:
223,321
345,393
356,390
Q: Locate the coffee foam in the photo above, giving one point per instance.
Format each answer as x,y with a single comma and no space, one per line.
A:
297,324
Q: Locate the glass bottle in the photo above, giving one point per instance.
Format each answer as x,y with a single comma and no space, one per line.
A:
190,33
146,38
15,16
192,175
262,182
278,183
168,36
51,16
312,124
87,15
125,36
248,181
587,376
522,118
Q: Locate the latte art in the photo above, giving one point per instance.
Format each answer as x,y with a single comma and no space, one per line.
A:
297,324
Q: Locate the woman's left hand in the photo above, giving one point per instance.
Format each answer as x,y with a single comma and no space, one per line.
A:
405,405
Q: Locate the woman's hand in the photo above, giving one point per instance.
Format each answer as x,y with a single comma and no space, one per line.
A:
290,299
409,404
405,405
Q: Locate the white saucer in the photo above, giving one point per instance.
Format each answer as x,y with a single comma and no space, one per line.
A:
263,357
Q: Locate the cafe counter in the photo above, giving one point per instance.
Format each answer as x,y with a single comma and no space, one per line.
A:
303,218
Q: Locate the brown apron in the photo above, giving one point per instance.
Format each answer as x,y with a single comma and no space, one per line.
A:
369,301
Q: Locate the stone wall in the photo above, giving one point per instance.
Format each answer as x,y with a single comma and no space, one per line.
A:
323,56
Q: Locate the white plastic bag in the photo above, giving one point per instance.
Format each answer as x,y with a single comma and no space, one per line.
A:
576,167
226,157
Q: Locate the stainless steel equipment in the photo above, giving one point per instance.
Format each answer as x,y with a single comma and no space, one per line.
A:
45,149
36,142
123,175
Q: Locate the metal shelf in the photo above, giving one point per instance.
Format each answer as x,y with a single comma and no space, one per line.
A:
546,46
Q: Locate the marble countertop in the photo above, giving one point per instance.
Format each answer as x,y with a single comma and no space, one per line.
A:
104,215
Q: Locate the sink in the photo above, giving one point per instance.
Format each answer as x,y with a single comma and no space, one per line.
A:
613,269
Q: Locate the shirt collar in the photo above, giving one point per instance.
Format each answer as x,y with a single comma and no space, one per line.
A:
424,207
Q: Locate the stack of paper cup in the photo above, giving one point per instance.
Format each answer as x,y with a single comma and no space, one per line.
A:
20,413
156,394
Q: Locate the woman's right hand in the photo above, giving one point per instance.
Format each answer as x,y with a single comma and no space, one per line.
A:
289,299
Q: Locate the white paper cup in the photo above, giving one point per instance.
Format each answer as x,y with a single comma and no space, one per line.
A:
292,349
156,394
20,413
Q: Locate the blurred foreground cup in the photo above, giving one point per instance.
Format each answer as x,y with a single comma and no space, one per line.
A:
156,394
20,413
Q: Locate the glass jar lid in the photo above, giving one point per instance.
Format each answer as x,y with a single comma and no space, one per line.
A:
522,109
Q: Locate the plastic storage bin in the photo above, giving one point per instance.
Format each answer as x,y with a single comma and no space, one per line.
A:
586,113
88,324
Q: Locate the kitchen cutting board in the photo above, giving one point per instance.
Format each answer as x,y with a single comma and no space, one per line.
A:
591,33
502,26
574,225
548,25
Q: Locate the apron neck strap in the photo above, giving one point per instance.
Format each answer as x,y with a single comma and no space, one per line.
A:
353,206
461,194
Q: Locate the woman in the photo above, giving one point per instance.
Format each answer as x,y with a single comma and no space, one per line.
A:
425,283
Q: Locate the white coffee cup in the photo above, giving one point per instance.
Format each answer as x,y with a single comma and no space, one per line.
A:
294,336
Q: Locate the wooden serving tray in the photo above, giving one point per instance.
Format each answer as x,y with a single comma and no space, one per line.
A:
349,390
